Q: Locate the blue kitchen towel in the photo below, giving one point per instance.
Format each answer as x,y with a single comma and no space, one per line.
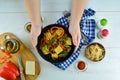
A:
87,27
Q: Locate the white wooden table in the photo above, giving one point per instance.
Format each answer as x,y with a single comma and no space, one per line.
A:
13,17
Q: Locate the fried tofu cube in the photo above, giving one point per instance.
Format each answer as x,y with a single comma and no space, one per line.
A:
58,50
48,35
45,50
54,56
68,41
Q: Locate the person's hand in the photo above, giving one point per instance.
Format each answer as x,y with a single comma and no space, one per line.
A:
35,32
74,30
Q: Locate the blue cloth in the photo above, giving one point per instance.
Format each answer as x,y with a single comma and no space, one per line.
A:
87,27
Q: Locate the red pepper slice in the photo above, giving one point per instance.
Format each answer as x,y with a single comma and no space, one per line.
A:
4,58
7,53
12,67
6,74
53,29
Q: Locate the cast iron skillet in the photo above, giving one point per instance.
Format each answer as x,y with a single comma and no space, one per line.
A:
48,57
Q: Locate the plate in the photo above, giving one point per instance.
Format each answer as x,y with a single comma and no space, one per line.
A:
55,43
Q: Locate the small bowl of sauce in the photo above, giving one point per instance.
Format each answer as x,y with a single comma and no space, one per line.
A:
28,27
11,45
81,65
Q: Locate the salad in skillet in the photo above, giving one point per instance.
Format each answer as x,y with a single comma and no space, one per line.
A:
55,43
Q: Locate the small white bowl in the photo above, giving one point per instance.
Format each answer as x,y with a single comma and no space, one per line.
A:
81,65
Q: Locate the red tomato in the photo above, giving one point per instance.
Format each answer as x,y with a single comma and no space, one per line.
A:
12,67
6,74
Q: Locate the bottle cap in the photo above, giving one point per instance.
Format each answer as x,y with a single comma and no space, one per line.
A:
105,32
103,22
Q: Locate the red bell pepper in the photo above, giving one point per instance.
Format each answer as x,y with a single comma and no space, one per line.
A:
4,58
9,71
12,67
6,74
5,52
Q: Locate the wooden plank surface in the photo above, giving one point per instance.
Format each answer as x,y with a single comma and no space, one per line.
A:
26,55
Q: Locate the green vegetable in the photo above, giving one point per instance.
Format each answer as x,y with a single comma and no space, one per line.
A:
64,54
61,39
54,41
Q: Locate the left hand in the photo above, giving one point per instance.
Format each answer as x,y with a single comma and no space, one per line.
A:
74,30
35,32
